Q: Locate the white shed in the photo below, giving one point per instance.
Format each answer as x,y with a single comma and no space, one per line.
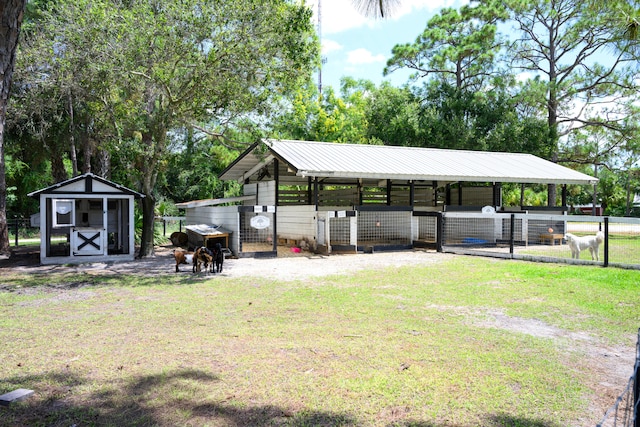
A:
86,219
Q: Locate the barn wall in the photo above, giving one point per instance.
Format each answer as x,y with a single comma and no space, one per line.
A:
266,191
473,196
225,216
297,223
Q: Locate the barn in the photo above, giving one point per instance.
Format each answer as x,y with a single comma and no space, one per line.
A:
86,219
336,196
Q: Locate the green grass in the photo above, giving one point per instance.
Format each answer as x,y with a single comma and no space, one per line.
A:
412,346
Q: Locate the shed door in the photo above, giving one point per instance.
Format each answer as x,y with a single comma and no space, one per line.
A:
88,241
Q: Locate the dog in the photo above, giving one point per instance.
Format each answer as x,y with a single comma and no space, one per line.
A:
202,255
580,243
182,257
218,255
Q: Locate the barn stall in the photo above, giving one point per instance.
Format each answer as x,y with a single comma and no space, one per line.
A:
353,197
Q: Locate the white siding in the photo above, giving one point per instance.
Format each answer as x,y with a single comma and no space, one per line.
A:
225,216
297,223
266,191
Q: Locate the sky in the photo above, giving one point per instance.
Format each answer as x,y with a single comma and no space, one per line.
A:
359,47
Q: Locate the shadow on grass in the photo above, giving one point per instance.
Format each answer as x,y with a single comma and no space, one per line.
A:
173,398
506,420
499,420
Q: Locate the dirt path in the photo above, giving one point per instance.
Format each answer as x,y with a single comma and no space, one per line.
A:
287,266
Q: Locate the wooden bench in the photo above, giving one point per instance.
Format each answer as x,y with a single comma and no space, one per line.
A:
551,238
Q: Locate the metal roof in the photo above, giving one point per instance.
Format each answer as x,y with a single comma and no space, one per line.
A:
337,160
86,184
213,202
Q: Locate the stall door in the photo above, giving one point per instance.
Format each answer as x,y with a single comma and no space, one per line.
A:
88,241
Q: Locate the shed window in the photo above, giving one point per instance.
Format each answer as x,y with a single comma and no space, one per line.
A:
63,213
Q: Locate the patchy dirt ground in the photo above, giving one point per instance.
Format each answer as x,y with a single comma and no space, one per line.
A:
611,366
287,266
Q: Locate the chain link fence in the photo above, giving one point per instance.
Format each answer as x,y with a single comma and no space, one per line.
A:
624,412
607,241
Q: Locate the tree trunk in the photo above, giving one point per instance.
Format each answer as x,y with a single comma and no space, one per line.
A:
58,170
154,143
148,218
11,14
72,140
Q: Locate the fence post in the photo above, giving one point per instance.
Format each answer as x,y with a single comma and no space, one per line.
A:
15,217
439,231
606,241
512,233
636,386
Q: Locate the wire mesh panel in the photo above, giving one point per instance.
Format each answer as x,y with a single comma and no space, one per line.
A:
622,241
337,230
625,411
520,230
257,231
380,228
473,229
427,228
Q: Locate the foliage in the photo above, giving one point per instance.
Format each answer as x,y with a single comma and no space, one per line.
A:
328,118
458,46
142,69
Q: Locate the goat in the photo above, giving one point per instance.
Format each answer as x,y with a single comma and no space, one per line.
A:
202,255
218,257
182,257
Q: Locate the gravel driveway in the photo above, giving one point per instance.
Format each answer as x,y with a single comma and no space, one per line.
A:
287,266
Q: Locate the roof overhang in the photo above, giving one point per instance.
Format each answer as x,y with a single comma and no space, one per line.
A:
308,159
213,202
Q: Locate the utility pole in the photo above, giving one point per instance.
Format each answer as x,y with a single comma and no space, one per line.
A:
323,60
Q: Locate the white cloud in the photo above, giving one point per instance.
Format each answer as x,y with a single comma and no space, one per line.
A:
329,46
363,56
340,15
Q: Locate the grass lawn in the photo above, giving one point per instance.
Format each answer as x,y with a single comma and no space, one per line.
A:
467,342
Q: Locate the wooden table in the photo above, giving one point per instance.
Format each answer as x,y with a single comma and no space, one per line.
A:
551,238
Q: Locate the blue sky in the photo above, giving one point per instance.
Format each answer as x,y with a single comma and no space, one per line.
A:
359,47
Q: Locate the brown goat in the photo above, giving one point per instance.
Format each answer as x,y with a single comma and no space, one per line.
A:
182,257
202,255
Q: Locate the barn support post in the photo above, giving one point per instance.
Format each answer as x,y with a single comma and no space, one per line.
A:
447,194
497,190
316,198
276,178
412,192
521,195
388,192
564,195
459,193
434,185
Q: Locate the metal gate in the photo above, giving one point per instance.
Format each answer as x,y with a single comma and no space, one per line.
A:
257,231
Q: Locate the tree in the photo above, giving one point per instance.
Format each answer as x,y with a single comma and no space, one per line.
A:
457,46
559,43
332,118
11,15
394,116
376,8
158,66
